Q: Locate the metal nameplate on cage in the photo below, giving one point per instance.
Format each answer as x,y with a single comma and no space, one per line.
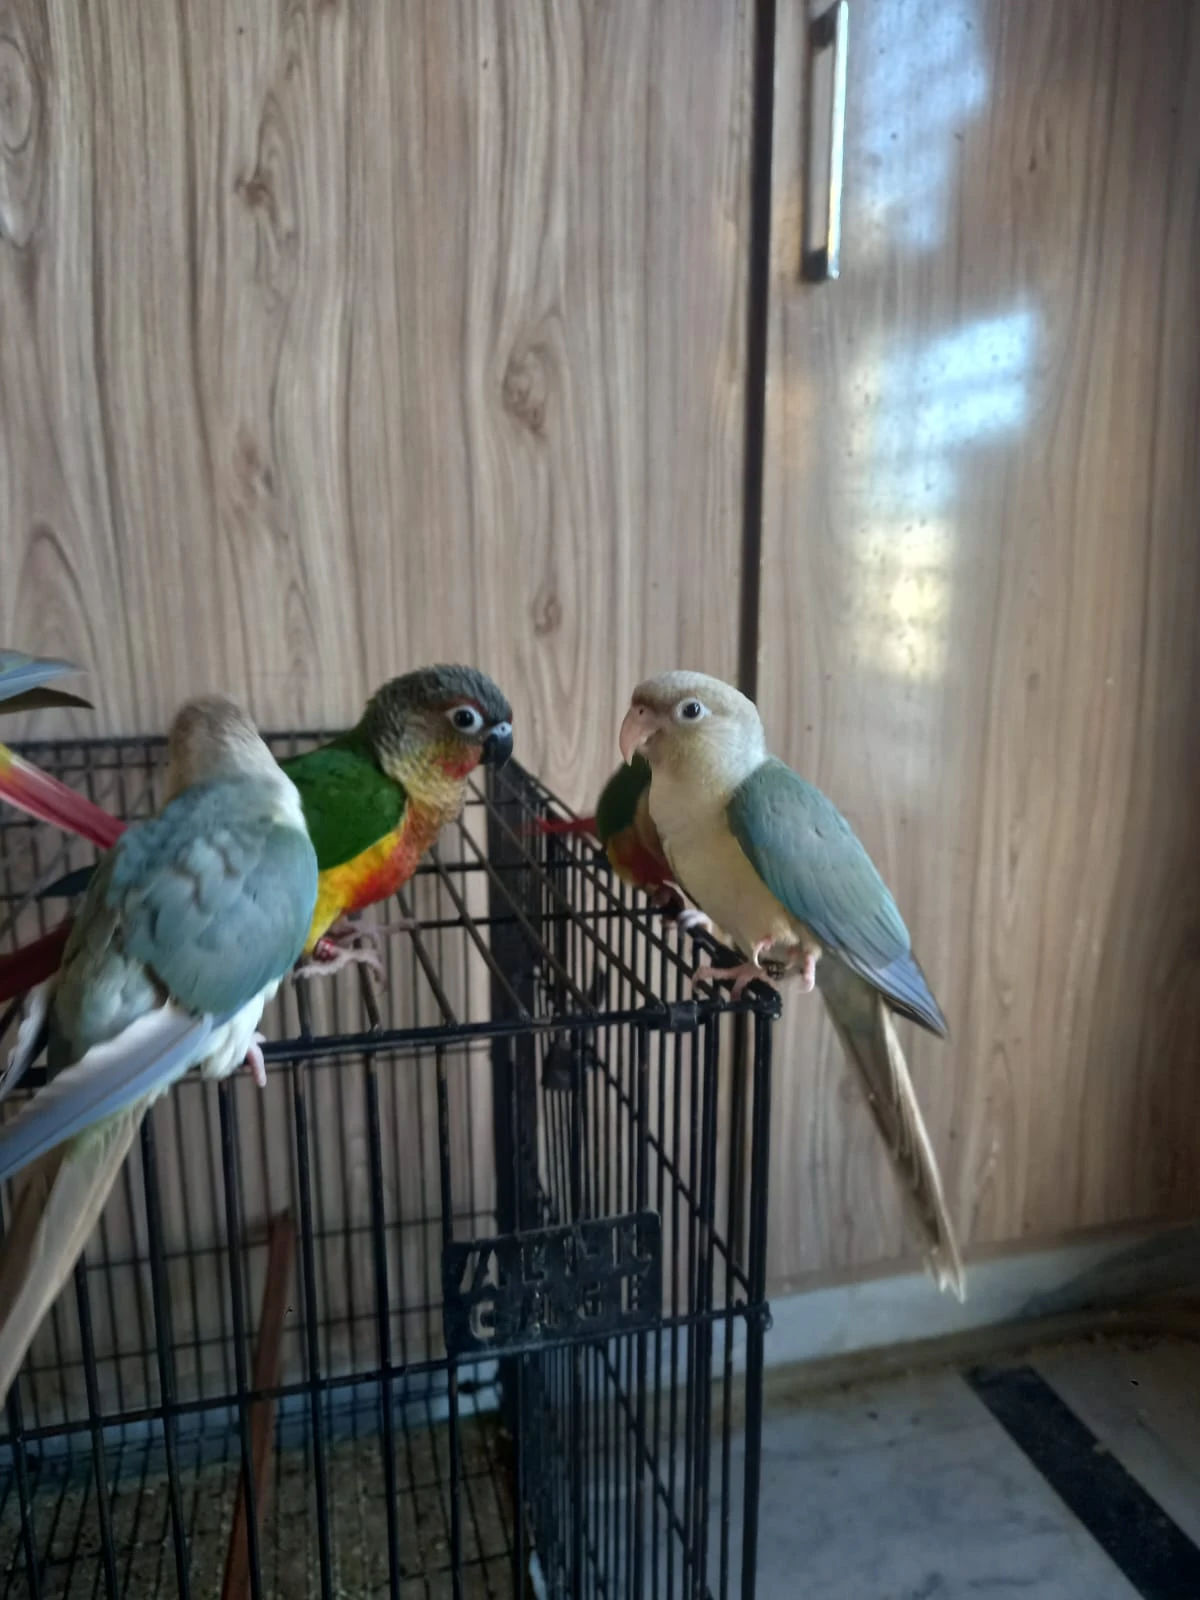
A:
521,1291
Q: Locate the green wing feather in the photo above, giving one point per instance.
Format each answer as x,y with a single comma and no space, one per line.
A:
349,803
809,857
617,806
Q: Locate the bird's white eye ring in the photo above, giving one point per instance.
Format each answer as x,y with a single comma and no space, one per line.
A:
690,711
464,719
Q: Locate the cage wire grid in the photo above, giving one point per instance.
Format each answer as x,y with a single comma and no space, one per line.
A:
468,1306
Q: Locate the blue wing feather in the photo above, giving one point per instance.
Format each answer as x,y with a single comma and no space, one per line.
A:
19,672
809,857
138,1063
210,901
24,682
214,895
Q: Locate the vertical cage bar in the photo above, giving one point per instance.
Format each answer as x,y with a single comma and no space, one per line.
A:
757,1313
676,1307
108,1555
312,1326
641,1199
708,1202
165,1346
514,1093
576,1442
739,1088
383,1331
514,1061
233,1241
695,1332
16,1429
447,1200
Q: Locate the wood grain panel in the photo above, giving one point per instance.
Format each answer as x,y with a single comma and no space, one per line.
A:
981,580
335,339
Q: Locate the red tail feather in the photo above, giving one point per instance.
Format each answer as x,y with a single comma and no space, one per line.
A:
21,969
30,789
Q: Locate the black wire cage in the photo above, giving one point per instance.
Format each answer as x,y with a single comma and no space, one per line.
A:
468,1301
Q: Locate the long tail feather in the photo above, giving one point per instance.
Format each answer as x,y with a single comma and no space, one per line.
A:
30,1037
32,963
864,1025
140,1062
58,1207
29,789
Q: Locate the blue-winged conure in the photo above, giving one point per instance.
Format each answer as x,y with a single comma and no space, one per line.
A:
187,927
776,866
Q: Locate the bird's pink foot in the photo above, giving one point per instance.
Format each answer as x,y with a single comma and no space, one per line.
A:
348,941
329,956
741,976
802,964
254,1060
349,932
376,932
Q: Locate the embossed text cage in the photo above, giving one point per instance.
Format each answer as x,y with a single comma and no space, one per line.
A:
468,1301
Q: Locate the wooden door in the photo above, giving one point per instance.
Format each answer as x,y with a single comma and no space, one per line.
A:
981,580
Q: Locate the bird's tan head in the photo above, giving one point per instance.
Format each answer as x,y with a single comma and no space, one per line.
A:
695,728
210,738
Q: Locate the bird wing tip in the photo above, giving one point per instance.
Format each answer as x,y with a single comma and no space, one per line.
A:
949,1276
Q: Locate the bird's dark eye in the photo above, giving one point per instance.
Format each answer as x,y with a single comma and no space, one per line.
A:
691,710
466,719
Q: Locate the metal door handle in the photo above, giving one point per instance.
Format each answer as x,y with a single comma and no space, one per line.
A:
821,260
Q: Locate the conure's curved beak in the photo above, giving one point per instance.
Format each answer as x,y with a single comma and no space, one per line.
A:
639,724
498,745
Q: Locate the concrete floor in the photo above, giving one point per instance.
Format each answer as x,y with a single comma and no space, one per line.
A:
910,1490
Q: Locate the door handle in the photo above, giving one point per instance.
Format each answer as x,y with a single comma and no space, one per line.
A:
828,36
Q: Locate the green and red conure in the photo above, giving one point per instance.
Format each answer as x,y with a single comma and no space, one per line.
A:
374,800
627,834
